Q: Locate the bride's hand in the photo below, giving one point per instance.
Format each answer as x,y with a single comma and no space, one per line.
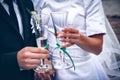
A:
70,36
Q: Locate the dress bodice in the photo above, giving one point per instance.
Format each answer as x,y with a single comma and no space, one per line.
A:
87,16
80,15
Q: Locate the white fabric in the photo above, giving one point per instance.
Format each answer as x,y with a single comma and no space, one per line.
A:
19,18
109,57
88,17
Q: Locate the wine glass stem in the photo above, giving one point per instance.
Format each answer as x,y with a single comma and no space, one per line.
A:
42,62
62,55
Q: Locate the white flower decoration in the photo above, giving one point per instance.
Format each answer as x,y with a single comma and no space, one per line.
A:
35,21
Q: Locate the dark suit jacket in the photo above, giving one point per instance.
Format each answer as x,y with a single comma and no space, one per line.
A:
11,42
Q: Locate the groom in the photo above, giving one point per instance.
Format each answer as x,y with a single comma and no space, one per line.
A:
18,51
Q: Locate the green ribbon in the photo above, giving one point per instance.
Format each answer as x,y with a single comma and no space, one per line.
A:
65,52
46,47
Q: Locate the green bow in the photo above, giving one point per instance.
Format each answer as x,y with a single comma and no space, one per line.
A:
65,52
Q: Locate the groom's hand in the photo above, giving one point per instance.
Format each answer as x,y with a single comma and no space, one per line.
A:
29,57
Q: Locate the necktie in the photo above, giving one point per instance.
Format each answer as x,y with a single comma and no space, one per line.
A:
12,12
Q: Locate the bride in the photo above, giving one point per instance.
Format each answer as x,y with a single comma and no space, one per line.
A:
90,34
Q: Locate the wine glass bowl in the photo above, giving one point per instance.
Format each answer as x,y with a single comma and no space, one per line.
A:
45,64
60,60
59,57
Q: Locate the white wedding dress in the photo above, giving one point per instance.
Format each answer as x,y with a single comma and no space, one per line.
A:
88,17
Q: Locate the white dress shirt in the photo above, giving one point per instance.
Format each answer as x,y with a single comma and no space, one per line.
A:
18,15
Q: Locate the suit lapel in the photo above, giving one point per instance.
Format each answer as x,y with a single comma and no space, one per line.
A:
5,16
25,20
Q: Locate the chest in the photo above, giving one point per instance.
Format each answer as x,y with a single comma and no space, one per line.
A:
75,9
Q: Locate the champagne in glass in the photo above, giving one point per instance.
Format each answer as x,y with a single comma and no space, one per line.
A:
41,39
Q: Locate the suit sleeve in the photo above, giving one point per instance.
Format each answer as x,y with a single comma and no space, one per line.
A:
10,45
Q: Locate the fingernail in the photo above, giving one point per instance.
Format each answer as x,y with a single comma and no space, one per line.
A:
59,35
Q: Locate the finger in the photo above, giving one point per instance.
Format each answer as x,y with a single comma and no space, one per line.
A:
69,36
38,76
36,50
51,72
43,76
66,45
66,36
71,30
30,66
47,61
32,61
46,76
35,55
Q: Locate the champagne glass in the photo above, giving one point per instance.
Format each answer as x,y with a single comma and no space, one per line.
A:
59,58
41,39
